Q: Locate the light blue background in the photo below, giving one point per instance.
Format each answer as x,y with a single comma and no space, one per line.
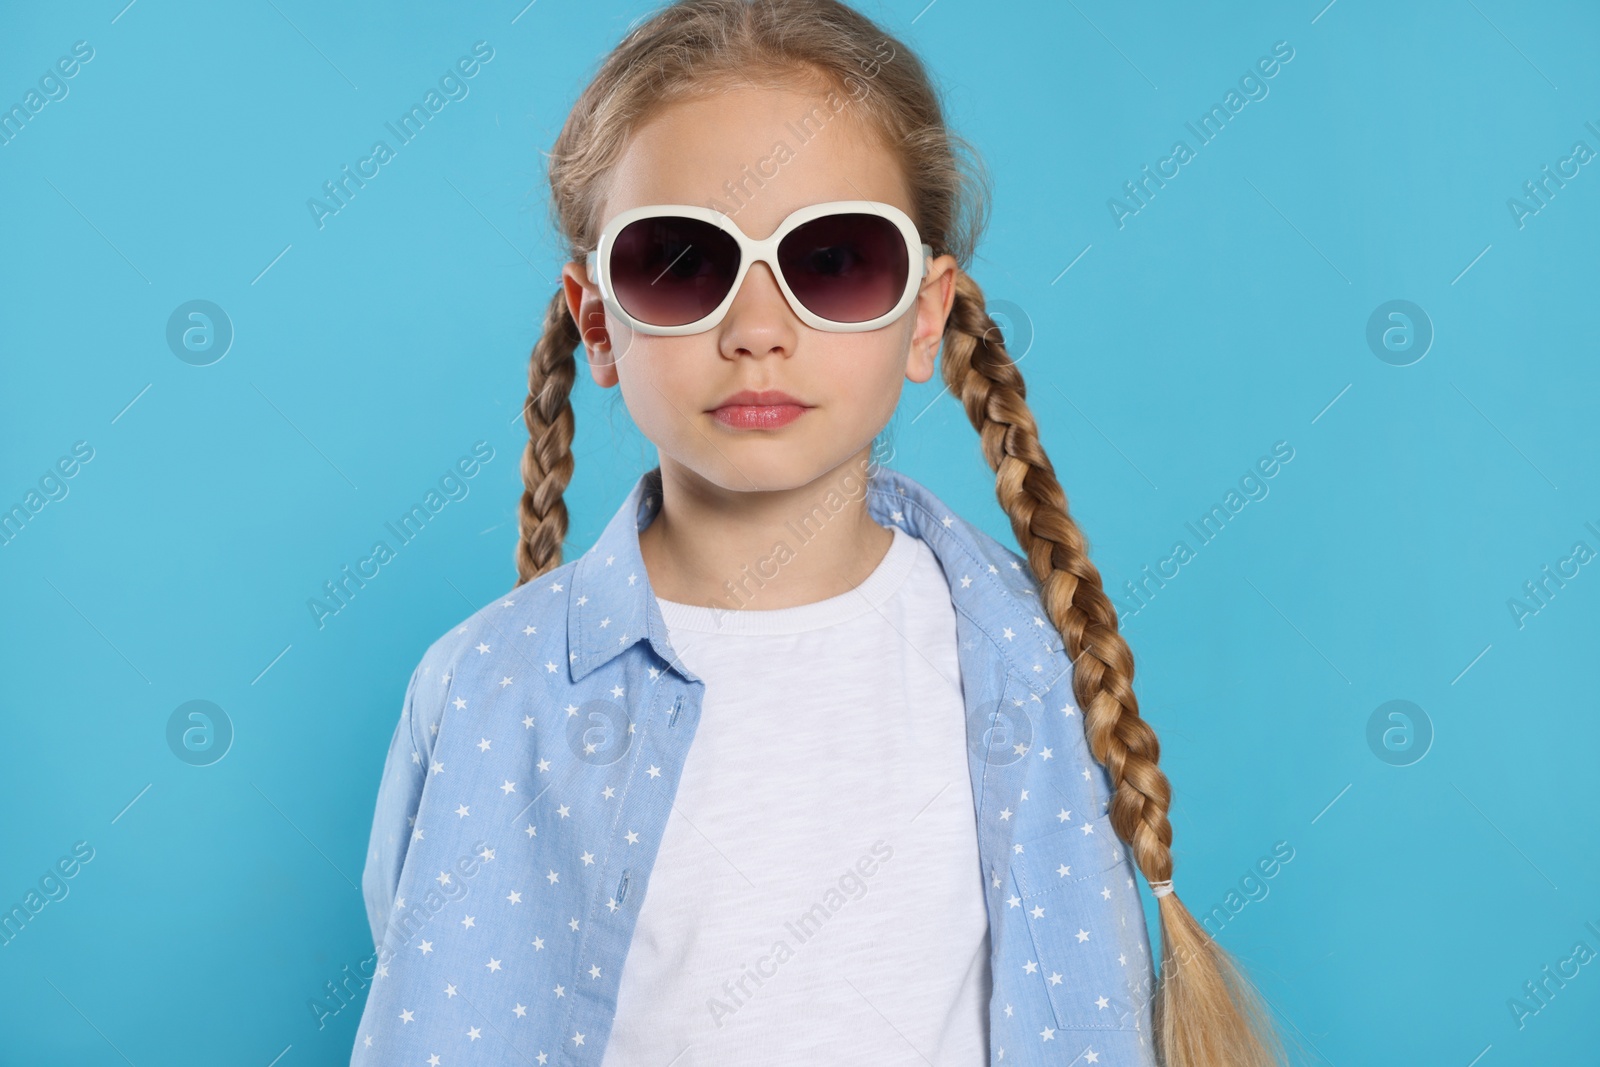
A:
1227,315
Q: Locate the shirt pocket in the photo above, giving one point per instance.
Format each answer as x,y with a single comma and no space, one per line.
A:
1086,923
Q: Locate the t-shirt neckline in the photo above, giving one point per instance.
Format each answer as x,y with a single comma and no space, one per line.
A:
886,578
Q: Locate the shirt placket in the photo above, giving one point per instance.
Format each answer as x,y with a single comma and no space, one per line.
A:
662,738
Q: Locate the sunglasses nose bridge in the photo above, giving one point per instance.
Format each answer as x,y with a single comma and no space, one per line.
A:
762,281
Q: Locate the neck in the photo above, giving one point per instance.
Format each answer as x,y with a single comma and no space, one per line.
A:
713,547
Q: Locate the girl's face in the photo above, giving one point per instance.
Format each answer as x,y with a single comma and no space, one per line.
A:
718,151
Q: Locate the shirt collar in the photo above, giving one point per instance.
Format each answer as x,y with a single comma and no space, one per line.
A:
612,607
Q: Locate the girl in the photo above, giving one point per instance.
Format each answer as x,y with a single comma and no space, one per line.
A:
793,765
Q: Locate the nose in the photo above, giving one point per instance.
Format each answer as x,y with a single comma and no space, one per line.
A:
759,321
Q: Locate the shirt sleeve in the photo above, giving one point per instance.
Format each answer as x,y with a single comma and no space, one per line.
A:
405,772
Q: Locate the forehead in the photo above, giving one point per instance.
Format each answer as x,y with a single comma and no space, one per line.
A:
756,153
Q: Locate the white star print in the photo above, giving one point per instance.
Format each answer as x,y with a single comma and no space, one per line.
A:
1014,840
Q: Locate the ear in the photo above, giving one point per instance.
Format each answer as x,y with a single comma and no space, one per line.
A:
588,311
934,300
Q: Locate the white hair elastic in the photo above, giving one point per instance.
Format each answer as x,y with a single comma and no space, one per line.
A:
1162,888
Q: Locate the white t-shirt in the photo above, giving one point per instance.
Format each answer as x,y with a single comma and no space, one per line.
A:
818,896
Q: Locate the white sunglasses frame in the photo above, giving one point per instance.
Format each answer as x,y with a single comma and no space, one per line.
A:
598,262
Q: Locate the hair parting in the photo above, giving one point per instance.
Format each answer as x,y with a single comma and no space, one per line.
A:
1205,1011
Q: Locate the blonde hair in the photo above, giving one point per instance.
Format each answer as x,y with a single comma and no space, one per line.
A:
1206,1013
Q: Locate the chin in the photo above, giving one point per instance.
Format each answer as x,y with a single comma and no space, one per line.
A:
764,466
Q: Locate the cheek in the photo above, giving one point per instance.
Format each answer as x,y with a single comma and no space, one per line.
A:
658,395
865,379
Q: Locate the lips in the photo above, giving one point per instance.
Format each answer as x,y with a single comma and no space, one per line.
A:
766,409
763,398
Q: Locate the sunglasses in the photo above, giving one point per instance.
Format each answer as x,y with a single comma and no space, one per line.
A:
844,266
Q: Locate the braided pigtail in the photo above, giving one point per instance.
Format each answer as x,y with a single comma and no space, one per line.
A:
547,461
1206,1013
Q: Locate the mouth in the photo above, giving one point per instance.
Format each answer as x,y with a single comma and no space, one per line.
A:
765,410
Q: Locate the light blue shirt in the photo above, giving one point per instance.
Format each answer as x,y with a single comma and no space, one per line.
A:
534,765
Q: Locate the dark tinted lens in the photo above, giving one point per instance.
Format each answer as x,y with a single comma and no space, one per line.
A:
671,271
847,267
